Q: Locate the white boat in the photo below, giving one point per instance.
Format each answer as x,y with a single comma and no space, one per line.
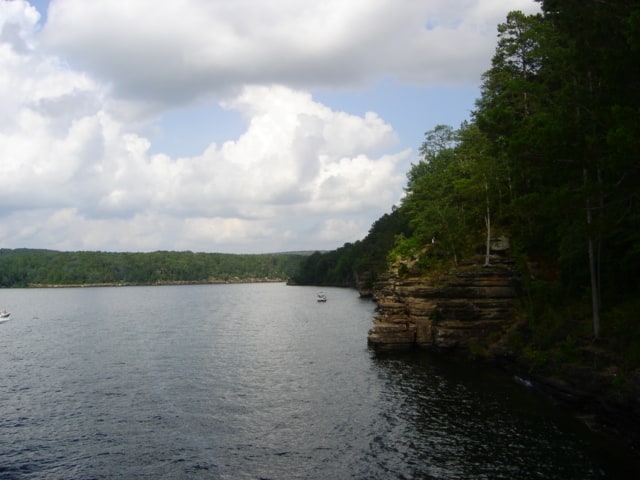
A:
322,297
4,316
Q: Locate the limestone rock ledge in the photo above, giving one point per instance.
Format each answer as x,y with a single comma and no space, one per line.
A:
467,306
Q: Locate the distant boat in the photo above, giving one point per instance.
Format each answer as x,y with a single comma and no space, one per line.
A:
322,297
4,316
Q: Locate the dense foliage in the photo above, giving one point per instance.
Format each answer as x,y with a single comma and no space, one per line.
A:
26,267
551,158
358,262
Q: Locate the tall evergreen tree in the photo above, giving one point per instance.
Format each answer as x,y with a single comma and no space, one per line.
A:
561,103
598,57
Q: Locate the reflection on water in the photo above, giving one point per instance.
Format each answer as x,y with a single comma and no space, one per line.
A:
471,422
258,381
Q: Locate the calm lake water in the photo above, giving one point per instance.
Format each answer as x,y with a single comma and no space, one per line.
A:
258,382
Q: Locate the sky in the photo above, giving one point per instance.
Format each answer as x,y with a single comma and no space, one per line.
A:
245,126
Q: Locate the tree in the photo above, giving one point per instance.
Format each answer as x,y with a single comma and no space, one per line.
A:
561,104
452,191
431,202
596,50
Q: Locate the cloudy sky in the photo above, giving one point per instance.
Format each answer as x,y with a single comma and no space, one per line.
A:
243,126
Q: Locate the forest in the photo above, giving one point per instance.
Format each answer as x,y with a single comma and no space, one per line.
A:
29,267
551,159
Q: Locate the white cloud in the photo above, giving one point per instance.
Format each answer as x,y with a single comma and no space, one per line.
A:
17,22
335,229
74,175
168,53
75,172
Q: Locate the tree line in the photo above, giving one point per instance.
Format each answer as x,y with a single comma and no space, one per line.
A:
550,158
29,267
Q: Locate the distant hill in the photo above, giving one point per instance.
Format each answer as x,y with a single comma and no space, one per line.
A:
40,267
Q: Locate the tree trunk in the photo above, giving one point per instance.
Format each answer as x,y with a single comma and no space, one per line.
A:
593,268
487,221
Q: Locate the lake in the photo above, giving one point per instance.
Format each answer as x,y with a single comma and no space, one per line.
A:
259,381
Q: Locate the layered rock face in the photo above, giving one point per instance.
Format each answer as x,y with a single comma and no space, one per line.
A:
475,306
471,305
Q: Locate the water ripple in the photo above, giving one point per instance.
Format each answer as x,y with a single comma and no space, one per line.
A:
256,381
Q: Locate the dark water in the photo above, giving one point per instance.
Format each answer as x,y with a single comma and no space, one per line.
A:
257,381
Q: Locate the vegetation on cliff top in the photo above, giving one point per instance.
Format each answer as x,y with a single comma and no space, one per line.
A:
550,159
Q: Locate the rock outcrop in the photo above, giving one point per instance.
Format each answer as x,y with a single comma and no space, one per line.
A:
472,307
463,308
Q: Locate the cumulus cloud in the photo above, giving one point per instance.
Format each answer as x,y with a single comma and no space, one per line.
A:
76,173
73,174
172,52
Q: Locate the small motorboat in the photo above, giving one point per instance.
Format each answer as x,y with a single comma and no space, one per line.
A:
322,297
4,316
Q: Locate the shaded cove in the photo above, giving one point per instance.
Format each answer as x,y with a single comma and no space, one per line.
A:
253,381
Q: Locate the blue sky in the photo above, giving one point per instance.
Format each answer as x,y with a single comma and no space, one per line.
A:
412,110
208,125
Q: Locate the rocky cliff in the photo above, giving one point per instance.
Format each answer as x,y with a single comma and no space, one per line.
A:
472,307
462,308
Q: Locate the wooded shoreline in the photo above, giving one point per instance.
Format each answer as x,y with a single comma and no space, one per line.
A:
45,268
158,284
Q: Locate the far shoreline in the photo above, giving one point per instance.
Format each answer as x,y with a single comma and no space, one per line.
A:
155,284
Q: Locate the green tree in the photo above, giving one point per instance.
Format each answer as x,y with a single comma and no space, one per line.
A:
596,52
561,105
432,203
452,191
